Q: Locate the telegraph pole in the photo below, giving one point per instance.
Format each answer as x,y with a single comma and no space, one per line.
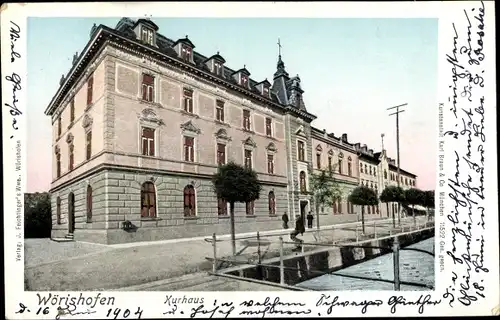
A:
397,146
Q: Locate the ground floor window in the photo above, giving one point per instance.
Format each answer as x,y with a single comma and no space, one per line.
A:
148,200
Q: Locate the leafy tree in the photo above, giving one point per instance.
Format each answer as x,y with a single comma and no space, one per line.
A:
235,183
414,197
392,194
37,215
326,191
428,201
363,196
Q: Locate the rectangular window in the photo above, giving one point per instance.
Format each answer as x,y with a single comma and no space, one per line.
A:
59,127
269,127
361,168
374,172
90,89
330,165
147,35
148,87
246,120
72,111
218,68
250,208
89,145
189,149
370,170
58,164
148,142
221,207
188,100
318,160
340,166
71,157
221,153
186,53
219,111
244,81
265,91
270,164
248,159
301,151
349,169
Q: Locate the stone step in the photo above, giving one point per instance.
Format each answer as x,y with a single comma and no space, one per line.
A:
62,239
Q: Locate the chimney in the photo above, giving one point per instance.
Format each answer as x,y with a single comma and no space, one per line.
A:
324,133
357,146
344,137
364,148
370,151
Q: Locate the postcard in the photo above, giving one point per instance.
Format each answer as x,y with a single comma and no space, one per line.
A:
258,159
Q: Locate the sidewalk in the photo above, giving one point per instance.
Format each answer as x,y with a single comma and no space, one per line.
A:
148,262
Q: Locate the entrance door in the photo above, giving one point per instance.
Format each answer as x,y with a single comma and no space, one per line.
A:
71,213
303,207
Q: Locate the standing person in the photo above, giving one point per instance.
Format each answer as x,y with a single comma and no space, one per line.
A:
284,217
310,220
299,228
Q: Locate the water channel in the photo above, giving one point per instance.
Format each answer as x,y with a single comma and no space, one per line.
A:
416,267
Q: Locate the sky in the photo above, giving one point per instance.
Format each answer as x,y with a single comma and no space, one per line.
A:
351,70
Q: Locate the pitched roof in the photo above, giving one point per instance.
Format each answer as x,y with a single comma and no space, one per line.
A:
126,25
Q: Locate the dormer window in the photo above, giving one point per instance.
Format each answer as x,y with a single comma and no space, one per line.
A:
147,35
184,48
263,88
186,53
217,68
242,77
265,92
244,80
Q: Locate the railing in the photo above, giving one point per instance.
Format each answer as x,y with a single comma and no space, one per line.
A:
376,226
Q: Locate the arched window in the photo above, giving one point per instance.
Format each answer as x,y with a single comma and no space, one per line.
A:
89,204
303,186
58,210
385,174
272,203
189,201
222,207
369,209
335,208
148,200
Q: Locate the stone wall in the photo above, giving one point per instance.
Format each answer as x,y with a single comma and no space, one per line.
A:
93,231
124,195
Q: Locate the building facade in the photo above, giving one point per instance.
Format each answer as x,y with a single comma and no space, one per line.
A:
338,156
141,123
378,171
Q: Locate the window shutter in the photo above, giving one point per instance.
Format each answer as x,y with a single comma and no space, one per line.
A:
144,147
90,84
144,92
150,97
193,203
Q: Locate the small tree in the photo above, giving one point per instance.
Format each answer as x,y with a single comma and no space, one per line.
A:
392,194
363,196
235,183
414,197
428,201
326,191
37,215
